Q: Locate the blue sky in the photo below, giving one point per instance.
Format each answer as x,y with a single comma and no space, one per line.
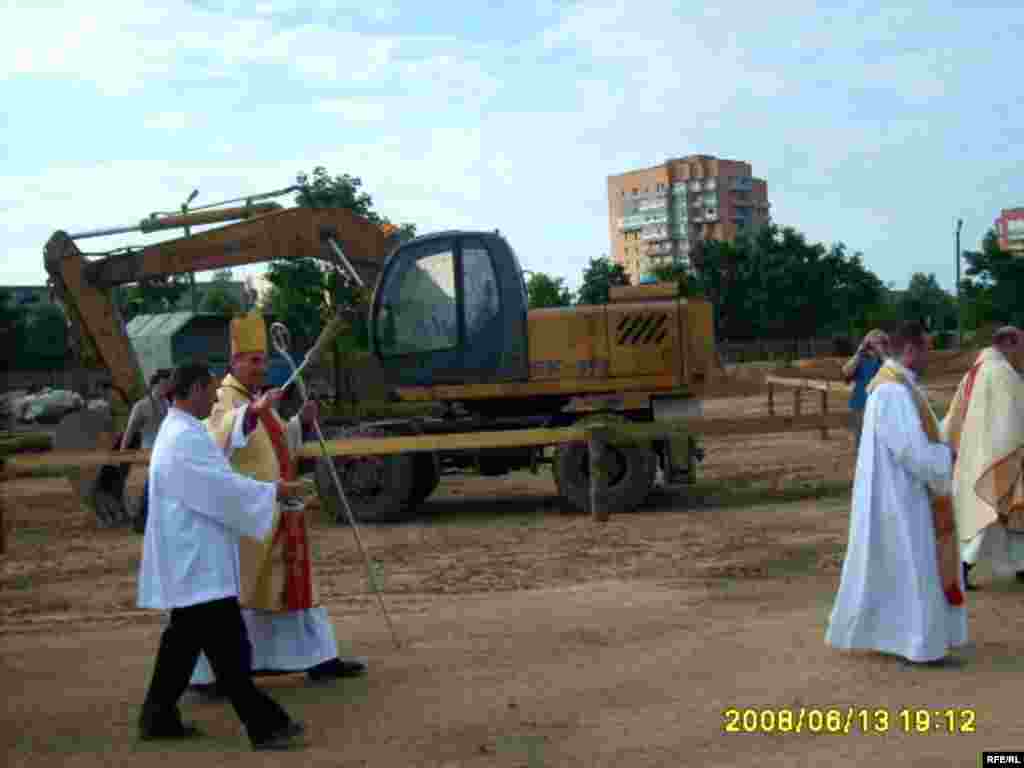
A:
874,126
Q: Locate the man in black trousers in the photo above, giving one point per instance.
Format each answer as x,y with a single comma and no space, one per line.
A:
198,509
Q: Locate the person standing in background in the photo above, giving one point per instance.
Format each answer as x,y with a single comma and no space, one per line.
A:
860,370
143,424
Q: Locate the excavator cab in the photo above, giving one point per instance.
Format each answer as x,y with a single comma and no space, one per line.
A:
450,308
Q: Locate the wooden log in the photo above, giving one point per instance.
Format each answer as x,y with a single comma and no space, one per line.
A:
3,528
598,477
824,412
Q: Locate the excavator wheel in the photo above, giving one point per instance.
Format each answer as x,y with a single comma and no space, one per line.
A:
100,490
428,477
379,489
631,472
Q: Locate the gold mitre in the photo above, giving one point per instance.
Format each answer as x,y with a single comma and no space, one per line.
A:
248,334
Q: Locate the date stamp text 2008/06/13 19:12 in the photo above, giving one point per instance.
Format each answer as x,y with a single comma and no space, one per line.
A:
847,720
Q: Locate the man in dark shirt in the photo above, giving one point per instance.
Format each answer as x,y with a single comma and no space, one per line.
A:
860,370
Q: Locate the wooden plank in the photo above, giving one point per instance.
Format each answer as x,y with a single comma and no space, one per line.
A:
819,385
816,384
27,464
3,529
380,446
598,479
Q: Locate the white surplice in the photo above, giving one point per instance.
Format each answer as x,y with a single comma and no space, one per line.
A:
291,641
992,432
198,508
890,598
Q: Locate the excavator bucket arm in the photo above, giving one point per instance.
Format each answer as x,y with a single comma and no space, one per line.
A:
84,287
98,331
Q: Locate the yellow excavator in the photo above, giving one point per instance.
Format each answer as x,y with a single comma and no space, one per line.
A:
449,317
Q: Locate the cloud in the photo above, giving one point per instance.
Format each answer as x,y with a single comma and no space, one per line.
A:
124,45
168,121
355,110
864,122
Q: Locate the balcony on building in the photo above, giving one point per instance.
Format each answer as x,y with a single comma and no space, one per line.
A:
652,205
741,184
630,223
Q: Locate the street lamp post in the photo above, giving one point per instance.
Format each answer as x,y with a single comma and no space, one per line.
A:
959,309
188,233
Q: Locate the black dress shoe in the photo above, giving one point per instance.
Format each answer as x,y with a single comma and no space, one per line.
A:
208,691
171,732
1020,577
967,582
285,738
946,662
335,668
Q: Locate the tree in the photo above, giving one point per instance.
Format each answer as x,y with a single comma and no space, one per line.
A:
547,291
993,285
598,278
304,294
153,296
11,327
924,298
321,190
220,299
778,285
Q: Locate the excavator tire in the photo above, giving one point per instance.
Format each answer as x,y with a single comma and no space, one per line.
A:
632,474
100,490
379,489
428,477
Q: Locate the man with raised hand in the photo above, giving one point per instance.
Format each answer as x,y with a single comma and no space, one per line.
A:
290,632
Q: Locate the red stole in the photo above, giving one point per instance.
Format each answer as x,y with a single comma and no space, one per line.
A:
298,583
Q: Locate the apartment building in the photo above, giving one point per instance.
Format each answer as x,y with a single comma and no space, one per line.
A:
656,215
1010,230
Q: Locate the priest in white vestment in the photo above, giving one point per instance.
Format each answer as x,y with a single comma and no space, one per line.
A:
985,426
899,590
198,510
290,631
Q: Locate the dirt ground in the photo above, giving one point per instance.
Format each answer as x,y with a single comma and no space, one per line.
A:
531,636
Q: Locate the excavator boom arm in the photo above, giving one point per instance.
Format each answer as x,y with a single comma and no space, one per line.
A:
84,287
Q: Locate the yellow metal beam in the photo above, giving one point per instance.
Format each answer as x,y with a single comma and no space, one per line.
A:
381,446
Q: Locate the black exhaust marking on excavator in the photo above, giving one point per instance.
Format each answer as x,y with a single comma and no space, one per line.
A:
642,329
654,328
633,321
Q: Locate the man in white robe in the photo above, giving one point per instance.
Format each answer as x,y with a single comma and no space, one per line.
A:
985,426
891,596
199,508
284,639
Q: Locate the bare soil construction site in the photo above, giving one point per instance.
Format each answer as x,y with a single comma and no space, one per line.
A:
531,635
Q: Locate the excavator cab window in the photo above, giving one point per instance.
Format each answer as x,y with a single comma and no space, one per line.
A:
420,313
450,308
